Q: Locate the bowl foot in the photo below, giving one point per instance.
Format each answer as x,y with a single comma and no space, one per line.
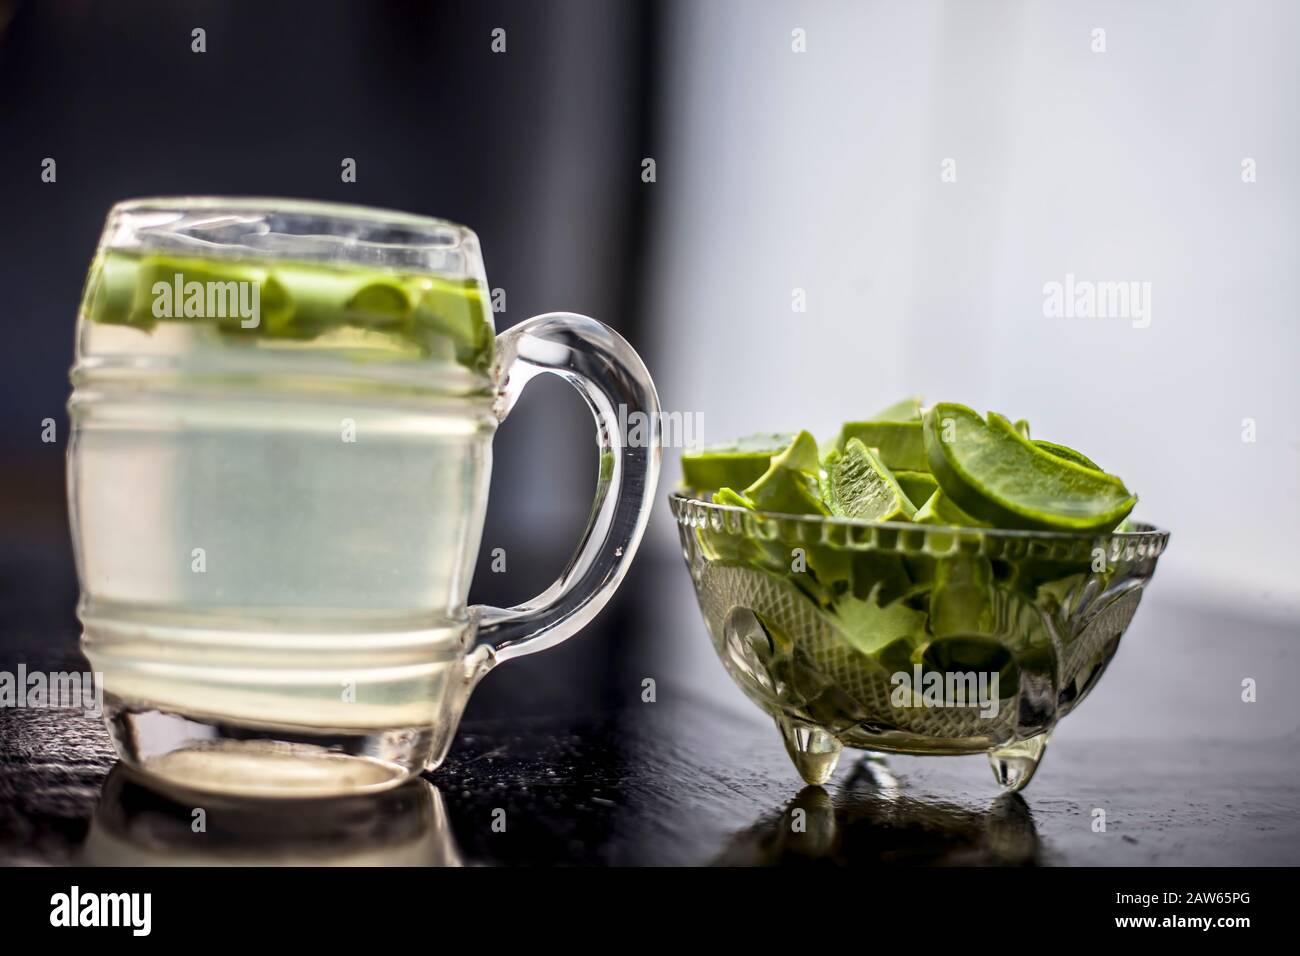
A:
815,752
1014,765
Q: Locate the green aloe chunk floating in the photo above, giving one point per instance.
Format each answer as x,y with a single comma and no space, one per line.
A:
1022,427
454,313
993,473
735,464
345,307
1069,454
917,485
858,485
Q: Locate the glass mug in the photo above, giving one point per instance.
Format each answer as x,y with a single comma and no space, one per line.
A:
282,415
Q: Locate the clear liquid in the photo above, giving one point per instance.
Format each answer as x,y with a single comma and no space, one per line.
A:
276,557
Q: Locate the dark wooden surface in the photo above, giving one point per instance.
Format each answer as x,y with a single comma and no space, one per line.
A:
586,773
635,789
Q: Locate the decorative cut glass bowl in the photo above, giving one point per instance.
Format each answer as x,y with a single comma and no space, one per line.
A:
910,638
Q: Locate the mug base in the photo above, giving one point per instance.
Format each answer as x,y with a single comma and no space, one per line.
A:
198,754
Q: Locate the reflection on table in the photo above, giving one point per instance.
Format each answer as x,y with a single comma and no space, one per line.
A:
136,824
872,821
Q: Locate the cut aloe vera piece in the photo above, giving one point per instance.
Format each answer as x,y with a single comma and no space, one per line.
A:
897,656
111,293
311,301
355,310
794,623
895,433
907,410
880,575
790,483
125,289
1069,454
941,510
961,599
870,626
858,485
994,474
455,311
1060,451
728,546
727,496
831,567
917,485
735,464
900,445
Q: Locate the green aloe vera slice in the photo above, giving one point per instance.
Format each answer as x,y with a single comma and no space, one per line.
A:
448,311
831,567
1021,428
961,599
858,485
726,496
900,444
726,546
917,485
907,410
895,433
790,483
993,473
368,310
880,575
735,464
1069,454
941,510
872,625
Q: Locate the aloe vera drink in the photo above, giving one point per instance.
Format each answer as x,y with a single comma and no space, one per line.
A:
247,492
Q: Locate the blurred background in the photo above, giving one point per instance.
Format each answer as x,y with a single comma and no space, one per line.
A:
537,148
912,174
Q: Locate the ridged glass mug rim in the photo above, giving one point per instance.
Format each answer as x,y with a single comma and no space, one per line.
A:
267,228
440,232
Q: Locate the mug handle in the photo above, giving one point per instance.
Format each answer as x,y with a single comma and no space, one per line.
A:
608,373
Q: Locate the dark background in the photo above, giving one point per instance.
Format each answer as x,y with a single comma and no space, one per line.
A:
537,149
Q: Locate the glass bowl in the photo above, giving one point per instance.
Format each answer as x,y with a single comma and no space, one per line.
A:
909,638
